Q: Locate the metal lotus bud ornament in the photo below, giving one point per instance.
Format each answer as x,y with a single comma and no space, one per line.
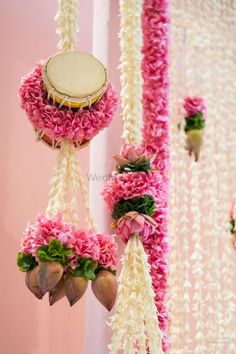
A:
194,140
49,274
105,288
75,288
57,293
32,283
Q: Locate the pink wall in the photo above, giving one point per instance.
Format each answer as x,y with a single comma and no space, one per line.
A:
29,326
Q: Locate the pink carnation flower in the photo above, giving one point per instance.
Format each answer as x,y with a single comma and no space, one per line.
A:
193,105
129,185
85,245
133,222
108,255
43,231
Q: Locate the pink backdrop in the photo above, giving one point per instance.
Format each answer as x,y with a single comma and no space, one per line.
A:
28,325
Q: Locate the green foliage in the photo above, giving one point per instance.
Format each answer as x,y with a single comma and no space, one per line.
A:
195,122
55,251
25,262
86,268
143,205
144,166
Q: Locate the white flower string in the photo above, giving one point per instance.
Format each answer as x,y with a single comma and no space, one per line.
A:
227,55
58,202
135,322
67,18
130,68
210,51
78,180
179,301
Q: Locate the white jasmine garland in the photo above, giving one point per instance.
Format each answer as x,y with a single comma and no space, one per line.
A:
135,322
130,68
58,193
204,65
179,300
67,18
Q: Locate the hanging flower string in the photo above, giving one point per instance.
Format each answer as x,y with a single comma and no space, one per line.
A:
195,120
57,256
131,197
155,64
67,18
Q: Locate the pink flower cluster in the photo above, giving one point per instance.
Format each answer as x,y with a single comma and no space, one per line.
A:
108,250
64,123
86,244
155,25
194,105
129,185
43,231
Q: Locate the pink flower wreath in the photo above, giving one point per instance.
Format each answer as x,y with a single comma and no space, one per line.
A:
77,126
83,244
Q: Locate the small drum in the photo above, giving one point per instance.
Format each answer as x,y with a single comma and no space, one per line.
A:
74,79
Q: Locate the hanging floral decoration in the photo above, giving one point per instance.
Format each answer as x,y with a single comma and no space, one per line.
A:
57,256
61,259
232,220
155,66
195,121
131,195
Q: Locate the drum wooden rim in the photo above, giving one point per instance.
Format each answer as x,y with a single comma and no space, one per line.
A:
69,101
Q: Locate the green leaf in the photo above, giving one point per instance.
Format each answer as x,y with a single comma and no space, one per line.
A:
195,122
55,251
86,268
144,166
25,262
143,205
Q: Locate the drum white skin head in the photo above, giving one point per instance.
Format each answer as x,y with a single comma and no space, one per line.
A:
74,79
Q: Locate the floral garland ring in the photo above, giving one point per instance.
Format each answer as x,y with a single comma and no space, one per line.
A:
54,124
132,197
60,259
